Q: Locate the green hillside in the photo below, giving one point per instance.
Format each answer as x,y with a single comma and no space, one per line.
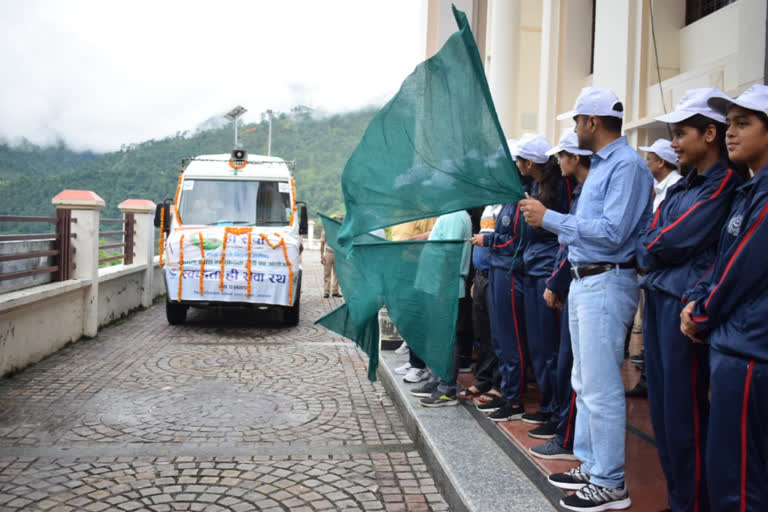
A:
30,176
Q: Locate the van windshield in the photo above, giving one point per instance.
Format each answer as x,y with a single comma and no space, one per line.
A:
235,202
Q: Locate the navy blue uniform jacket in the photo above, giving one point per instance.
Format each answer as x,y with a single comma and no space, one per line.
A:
560,280
506,245
732,303
541,245
679,247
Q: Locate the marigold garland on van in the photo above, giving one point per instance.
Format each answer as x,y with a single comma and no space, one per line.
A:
235,166
202,261
234,231
248,265
287,261
162,234
181,264
176,199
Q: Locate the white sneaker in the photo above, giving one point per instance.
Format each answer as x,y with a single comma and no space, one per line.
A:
402,349
416,375
402,370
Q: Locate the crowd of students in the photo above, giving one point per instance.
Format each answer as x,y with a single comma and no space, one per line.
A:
558,278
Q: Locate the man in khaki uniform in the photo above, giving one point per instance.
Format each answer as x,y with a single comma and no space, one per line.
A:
330,280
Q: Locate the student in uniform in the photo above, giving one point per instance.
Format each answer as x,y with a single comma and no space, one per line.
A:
541,321
505,294
662,161
574,163
676,251
729,309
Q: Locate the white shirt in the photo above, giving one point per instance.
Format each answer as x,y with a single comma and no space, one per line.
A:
660,187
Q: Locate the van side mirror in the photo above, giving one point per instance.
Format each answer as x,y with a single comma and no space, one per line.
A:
163,208
303,219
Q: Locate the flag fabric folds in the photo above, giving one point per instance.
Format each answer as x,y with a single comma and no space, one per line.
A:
435,148
415,280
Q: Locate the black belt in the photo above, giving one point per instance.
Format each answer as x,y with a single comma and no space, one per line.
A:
597,268
481,272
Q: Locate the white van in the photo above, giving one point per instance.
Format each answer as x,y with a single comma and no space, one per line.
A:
232,236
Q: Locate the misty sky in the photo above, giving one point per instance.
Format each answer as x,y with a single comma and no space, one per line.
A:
98,74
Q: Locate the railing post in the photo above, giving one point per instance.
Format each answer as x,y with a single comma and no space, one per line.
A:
139,215
128,238
84,207
64,243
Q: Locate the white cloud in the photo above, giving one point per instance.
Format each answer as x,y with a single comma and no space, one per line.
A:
101,73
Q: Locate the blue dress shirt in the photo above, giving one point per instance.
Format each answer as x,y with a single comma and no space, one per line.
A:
614,207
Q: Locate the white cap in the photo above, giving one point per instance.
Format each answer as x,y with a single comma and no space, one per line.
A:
533,148
754,98
594,101
695,101
512,145
663,149
569,142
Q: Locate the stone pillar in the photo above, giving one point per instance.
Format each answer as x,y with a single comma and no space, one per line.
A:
311,234
86,207
143,241
502,61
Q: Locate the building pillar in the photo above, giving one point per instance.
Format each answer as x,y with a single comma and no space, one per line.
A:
143,212
549,69
502,60
86,207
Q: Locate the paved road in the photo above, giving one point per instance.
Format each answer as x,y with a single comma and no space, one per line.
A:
229,412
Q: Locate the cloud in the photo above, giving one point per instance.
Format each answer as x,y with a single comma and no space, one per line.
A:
99,74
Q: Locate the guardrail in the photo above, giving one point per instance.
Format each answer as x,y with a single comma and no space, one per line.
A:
126,236
62,251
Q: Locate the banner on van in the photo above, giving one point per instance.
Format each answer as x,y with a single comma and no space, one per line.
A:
229,264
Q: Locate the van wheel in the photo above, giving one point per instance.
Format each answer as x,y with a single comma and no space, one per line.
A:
175,313
291,314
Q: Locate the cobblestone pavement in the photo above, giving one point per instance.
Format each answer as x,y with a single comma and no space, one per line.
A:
231,411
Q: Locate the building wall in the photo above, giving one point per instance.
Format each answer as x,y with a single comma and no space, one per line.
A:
539,52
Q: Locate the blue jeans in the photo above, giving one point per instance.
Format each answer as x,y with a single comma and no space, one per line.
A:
601,309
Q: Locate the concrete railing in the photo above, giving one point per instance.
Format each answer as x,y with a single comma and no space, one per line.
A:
36,322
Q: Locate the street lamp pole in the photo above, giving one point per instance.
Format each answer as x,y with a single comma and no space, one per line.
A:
269,133
233,115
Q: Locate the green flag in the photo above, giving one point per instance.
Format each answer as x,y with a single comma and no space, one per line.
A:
417,281
435,148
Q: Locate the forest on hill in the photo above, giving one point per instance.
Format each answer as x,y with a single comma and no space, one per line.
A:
30,176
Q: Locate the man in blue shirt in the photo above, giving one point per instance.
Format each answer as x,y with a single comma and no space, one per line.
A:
615,205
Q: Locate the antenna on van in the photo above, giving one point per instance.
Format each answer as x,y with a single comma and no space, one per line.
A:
233,115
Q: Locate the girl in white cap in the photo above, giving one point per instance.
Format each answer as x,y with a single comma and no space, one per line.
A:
677,251
729,310
541,321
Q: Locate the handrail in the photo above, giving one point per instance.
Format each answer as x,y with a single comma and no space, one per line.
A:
61,254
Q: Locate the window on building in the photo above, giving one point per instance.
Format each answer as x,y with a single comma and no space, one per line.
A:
697,9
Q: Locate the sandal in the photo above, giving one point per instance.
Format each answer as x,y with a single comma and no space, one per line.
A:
467,393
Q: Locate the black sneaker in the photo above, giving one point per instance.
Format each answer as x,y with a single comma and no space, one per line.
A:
594,498
488,407
574,479
537,418
426,390
544,431
325,295
507,413
439,400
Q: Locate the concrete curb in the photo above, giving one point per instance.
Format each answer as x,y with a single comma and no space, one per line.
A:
472,471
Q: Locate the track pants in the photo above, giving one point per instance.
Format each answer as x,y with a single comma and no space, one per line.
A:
507,330
737,448
542,328
677,371
487,373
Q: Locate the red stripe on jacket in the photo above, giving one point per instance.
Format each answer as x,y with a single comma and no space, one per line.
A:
738,251
690,210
